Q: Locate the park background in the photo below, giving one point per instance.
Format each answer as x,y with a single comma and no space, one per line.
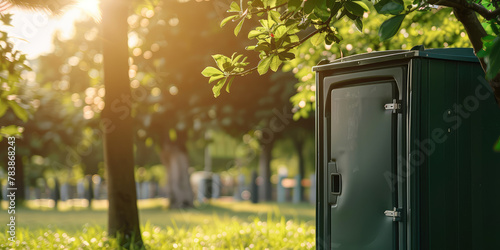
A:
258,137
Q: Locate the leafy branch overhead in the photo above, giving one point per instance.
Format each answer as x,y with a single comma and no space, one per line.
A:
12,64
286,24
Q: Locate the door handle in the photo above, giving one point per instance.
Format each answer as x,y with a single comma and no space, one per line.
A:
334,182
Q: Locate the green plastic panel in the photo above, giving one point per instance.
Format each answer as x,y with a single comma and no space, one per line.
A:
456,125
361,145
446,172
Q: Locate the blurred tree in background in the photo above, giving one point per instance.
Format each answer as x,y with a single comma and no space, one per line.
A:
164,103
13,103
118,136
168,104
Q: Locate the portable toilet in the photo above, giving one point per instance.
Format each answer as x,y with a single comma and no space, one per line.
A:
405,155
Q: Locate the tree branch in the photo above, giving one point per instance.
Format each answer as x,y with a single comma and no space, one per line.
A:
475,31
246,72
447,3
472,26
305,38
294,45
269,8
481,10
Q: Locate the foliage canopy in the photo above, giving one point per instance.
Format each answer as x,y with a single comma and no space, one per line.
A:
287,24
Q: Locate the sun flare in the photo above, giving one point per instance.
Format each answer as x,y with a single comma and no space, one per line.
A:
91,8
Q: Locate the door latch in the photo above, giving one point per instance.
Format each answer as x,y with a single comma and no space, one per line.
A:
395,214
395,106
334,182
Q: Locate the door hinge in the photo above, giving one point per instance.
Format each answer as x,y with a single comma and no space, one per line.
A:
395,214
395,106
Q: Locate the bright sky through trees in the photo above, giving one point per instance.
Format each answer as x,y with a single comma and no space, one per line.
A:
32,31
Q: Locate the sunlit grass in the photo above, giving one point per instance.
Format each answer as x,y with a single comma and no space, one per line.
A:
218,225
273,233
73,219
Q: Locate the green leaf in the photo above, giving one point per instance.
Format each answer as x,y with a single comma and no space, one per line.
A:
322,13
3,107
363,5
255,33
238,27
215,78
292,28
493,60
11,130
286,56
280,2
390,27
495,28
237,58
359,24
293,39
279,31
274,15
496,148
309,6
330,38
264,65
356,7
217,87
275,63
269,3
265,24
488,38
227,19
222,61
19,111
481,53
263,47
351,16
392,7
317,39
229,84
294,4
211,71
335,8
234,7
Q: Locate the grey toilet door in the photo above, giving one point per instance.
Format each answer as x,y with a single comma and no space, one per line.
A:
361,152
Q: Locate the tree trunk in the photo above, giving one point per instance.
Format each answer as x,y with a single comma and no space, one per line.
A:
265,188
123,218
174,156
475,31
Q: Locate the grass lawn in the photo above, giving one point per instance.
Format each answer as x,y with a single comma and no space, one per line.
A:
220,224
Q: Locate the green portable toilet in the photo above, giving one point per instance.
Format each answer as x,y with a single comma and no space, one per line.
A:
405,154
